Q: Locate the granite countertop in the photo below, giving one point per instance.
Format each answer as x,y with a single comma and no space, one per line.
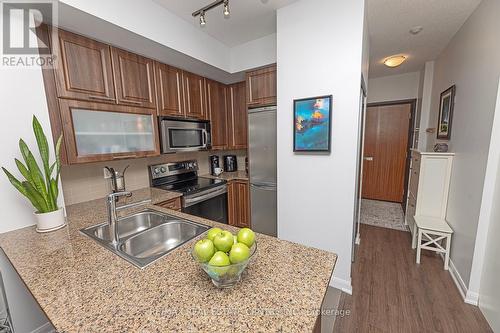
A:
237,175
82,287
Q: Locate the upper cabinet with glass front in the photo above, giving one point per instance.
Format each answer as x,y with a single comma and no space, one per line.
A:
102,132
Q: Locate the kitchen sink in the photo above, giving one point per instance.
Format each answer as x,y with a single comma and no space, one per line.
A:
146,236
160,239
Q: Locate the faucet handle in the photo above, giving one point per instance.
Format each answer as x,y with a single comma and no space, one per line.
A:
117,195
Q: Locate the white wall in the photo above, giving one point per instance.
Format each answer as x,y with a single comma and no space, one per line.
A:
22,95
486,263
254,54
425,96
320,54
393,87
471,61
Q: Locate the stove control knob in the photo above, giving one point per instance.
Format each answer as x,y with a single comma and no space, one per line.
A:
163,169
156,170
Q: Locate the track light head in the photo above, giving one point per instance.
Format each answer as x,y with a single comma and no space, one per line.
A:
203,21
226,9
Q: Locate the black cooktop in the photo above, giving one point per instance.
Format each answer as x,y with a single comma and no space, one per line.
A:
193,185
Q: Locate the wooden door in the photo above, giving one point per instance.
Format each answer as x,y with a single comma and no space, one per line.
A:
237,116
134,77
84,69
261,87
385,152
170,95
194,96
238,203
216,94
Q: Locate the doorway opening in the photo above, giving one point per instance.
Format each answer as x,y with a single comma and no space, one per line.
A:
388,139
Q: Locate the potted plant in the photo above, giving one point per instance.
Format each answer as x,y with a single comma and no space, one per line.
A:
39,186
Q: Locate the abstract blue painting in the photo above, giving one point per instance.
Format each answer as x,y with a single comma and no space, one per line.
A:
312,124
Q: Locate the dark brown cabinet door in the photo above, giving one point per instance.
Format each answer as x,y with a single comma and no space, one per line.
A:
134,77
237,116
84,69
169,91
95,132
261,87
239,205
194,96
216,95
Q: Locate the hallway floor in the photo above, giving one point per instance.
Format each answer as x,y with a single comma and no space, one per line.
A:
393,294
383,214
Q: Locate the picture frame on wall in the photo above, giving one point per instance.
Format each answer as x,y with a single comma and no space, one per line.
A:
312,118
446,105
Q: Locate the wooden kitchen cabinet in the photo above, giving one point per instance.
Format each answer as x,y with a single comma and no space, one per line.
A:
84,69
102,132
239,203
195,96
134,78
170,95
237,116
174,204
217,108
261,87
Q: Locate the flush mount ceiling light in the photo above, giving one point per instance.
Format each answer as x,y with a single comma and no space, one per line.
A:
201,12
394,61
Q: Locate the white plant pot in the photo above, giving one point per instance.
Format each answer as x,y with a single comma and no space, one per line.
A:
46,222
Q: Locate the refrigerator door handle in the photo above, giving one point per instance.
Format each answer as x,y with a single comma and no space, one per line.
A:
264,187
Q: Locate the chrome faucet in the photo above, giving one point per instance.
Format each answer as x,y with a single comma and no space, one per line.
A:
112,210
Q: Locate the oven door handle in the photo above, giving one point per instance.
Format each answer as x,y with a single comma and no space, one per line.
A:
190,201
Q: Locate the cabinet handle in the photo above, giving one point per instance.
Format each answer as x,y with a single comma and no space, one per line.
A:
123,156
102,98
133,102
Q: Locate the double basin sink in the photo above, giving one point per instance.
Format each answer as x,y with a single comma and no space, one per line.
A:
146,236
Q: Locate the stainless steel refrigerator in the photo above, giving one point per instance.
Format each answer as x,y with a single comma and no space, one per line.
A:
262,169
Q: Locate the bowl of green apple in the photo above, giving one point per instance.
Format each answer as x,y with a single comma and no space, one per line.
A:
224,256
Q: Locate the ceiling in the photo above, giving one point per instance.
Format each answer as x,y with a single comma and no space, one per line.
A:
249,20
389,22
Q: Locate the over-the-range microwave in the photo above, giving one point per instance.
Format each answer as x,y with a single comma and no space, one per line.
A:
179,135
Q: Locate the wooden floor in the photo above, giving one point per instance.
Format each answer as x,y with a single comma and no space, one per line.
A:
393,294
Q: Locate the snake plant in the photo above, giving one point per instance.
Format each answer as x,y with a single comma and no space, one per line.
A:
39,184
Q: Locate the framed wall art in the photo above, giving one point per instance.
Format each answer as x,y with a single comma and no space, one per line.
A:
312,124
446,104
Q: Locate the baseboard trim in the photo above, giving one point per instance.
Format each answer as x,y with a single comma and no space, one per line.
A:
469,297
341,284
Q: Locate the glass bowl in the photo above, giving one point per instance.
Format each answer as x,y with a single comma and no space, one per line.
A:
226,276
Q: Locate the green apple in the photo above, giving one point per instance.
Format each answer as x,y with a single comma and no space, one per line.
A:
246,236
212,232
239,253
219,259
235,239
204,250
223,241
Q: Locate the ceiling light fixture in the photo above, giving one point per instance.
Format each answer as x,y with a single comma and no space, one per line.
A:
201,12
394,61
203,22
226,9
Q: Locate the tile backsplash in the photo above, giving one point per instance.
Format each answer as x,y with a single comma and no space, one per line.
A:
86,182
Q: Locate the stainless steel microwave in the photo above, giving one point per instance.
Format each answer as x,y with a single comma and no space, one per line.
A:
184,135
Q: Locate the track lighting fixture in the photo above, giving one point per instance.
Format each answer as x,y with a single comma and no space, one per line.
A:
201,12
203,21
226,9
